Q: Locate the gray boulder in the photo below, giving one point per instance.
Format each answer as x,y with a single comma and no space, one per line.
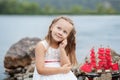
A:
20,55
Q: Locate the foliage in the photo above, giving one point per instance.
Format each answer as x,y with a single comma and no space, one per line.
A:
16,7
27,7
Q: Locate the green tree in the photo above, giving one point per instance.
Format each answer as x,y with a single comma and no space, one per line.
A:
48,9
76,9
100,8
29,8
8,6
16,7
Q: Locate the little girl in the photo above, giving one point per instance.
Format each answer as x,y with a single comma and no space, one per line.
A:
55,55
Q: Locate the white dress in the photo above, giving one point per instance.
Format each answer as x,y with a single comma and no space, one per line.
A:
52,59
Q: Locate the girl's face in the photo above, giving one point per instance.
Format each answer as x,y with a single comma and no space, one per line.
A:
60,30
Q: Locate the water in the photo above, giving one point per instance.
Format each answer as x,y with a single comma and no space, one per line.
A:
91,31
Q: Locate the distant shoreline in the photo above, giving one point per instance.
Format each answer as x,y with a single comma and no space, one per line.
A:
58,14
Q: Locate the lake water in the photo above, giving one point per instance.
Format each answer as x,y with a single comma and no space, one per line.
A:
92,31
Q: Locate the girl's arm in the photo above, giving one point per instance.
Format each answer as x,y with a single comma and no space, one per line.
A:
63,56
40,57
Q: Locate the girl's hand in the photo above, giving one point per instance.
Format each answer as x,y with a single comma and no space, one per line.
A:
66,68
63,44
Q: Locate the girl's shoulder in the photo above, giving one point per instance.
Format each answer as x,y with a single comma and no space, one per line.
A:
42,43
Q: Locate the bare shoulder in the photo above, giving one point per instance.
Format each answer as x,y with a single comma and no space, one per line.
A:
39,53
39,46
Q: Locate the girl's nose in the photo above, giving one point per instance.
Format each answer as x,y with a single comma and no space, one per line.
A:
60,33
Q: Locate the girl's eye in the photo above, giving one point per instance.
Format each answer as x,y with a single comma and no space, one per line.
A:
58,28
65,32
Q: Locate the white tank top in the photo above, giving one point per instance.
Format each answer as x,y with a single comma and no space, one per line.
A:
52,54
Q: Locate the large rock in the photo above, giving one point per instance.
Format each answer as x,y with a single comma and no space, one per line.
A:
20,55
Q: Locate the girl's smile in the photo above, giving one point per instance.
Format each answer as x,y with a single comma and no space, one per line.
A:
60,30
